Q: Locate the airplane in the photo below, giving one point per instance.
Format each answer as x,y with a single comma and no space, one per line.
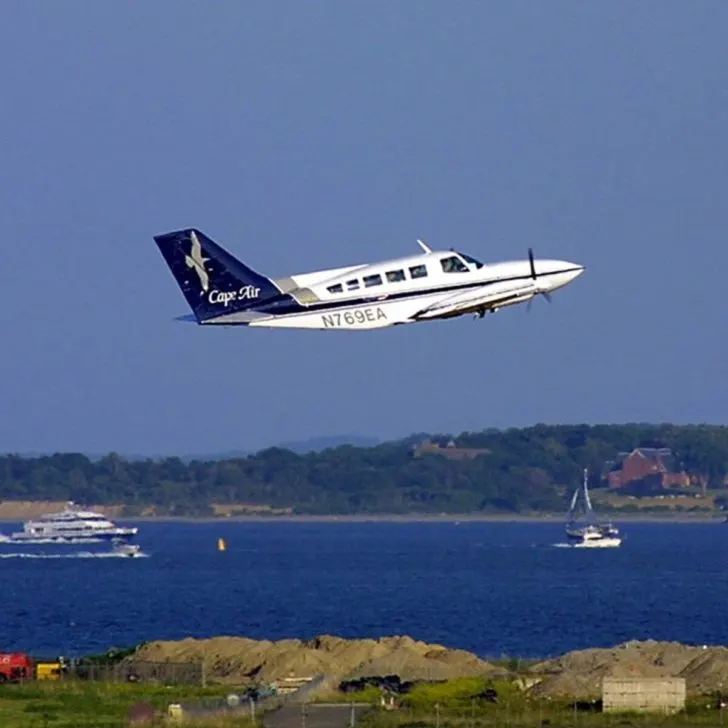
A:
434,284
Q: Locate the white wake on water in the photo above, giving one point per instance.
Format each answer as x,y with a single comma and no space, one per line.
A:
583,546
79,555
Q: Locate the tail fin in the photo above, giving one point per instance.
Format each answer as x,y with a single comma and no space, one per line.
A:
212,280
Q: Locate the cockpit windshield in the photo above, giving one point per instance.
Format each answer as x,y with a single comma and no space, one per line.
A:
453,264
471,260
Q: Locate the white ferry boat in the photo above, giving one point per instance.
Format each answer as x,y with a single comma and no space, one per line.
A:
591,534
70,526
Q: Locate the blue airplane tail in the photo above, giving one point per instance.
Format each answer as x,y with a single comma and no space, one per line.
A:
212,280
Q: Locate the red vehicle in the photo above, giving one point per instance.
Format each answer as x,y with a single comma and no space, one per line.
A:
15,666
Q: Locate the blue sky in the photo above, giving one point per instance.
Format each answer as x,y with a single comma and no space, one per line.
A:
305,135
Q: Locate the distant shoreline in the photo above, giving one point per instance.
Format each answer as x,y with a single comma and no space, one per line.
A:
413,518
421,518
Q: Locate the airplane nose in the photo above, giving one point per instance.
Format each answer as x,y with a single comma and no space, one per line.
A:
578,270
566,273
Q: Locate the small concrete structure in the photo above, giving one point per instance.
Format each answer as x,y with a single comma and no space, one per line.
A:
658,694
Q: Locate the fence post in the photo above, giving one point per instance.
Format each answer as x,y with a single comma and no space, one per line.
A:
203,674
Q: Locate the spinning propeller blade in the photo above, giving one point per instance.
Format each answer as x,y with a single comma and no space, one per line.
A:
545,294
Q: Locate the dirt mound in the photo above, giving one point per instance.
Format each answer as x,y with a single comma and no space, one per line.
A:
579,674
238,659
413,660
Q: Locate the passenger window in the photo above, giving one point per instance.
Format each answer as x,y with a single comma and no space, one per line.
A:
395,275
352,285
418,271
453,264
370,281
338,288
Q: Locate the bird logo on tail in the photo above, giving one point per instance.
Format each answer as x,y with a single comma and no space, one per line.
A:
196,261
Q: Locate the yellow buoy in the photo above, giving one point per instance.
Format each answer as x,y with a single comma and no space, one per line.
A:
221,546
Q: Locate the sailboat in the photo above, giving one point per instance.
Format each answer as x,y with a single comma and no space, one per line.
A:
592,534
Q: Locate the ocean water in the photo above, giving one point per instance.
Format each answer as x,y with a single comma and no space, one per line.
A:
492,588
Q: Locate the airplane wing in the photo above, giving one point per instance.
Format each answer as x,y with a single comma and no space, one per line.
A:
476,299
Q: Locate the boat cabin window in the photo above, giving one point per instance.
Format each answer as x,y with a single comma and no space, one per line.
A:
418,271
375,280
395,275
338,288
469,259
453,264
352,285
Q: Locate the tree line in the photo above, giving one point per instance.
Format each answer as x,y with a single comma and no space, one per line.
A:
524,470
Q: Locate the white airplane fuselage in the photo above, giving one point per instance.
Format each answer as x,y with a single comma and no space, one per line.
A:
431,285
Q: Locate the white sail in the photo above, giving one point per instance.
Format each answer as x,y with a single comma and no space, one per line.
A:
573,502
587,500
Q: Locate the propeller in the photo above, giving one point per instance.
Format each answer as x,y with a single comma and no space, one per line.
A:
545,294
